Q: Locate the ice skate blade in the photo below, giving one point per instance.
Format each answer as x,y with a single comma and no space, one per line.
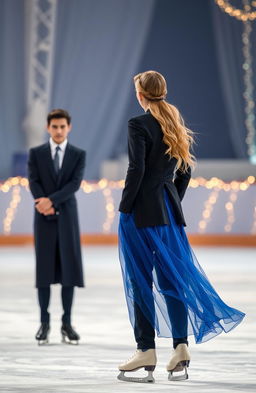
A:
183,377
65,340
42,342
148,379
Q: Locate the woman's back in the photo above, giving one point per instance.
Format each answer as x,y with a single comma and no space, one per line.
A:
150,173
157,162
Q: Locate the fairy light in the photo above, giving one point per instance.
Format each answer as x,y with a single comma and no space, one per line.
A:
238,13
208,209
215,185
11,210
106,187
110,210
102,184
251,179
229,206
194,183
14,181
89,187
249,87
246,15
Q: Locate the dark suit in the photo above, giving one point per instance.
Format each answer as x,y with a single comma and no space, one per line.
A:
57,238
150,172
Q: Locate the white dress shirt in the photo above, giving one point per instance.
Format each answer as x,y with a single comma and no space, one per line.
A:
61,152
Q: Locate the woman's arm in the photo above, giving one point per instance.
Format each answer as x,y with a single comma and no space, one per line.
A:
136,168
181,181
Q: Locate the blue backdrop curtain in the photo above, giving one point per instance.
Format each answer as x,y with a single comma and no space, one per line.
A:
12,105
228,38
97,51
99,45
181,46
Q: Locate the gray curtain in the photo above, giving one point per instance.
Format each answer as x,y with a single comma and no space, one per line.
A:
98,49
228,38
12,105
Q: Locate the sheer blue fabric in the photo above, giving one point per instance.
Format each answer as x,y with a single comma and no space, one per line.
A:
162,275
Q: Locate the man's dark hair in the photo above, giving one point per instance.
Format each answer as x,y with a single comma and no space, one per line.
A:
58,114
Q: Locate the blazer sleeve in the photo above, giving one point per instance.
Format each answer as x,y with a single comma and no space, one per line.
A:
73,185
33,176
136,168
181,181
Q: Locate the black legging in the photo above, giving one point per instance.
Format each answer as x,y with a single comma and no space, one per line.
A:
143,330
67,294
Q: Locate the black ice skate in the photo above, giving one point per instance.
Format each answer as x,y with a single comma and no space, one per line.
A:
42,333
69,335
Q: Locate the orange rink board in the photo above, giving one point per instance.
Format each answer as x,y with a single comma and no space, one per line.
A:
112,239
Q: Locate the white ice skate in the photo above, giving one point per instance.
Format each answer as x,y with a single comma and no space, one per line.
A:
140,359
179,362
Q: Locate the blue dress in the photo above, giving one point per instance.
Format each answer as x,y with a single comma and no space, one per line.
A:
162,275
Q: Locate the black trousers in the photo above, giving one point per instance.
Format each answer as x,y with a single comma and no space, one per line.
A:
67,294
144,331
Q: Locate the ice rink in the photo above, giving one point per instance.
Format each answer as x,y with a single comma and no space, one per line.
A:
224,364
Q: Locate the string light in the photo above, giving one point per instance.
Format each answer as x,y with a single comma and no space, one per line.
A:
14,181
110,210
11,210
249,88
246,16
238,13
208,209
89,187
106,187
230,210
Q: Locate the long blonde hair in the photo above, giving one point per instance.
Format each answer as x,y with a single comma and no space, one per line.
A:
176,135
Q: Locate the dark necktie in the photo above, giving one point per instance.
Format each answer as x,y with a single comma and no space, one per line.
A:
56,160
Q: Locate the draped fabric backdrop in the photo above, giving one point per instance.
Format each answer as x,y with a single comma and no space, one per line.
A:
228,37
12,105
97,52
99,46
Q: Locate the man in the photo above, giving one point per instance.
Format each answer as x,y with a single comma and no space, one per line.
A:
55,172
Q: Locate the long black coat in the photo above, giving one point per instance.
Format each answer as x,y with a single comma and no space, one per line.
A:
150,172
57,238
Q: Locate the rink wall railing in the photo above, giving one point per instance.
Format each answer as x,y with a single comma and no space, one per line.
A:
217,212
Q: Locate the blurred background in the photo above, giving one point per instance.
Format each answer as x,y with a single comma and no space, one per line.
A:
81,55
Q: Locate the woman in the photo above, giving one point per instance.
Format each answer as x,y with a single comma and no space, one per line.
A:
166,289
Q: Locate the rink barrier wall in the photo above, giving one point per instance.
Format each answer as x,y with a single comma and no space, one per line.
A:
112,239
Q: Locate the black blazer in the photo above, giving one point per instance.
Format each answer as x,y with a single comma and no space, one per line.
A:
150,172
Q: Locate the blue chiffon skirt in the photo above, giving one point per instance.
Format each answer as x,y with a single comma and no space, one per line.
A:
162,275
